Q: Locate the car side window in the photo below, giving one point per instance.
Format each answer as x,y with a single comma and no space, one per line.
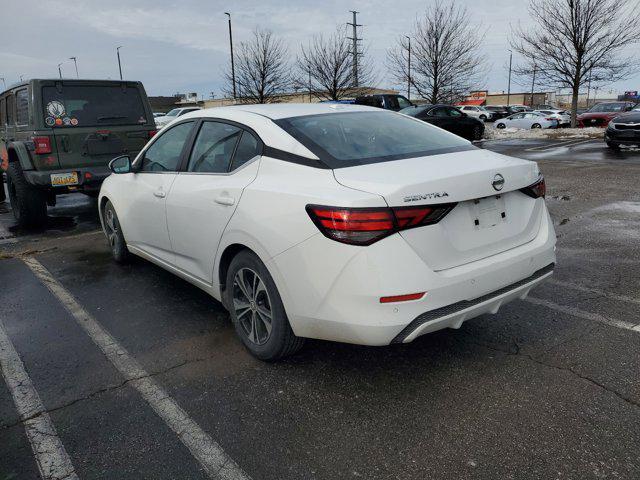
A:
454,112
10,110
214,147
248,147
517,116
403,102
22,107
440,112
164,154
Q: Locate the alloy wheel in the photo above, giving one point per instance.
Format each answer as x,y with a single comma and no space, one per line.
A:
252,306
111,227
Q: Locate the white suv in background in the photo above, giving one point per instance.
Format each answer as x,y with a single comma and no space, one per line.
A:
165,120
338,222
480,113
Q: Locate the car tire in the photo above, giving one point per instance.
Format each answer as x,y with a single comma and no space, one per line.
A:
28,203
477,133
483,118
256,309
114,234
613,146
536,125
501,126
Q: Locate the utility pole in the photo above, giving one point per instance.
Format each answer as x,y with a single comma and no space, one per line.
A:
233,71
533,82
354,49
75,62
59,70
309,85
409,70
589,88
119,64
509,87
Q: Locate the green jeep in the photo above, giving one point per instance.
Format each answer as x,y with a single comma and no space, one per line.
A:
57,136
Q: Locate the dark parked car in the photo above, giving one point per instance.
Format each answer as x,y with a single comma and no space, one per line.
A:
623,130
602,113
448,118
58,136
499,111
388,102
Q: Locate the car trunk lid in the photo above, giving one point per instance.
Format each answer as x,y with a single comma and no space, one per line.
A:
491,214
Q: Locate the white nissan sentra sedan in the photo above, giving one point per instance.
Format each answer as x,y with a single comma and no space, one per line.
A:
329,221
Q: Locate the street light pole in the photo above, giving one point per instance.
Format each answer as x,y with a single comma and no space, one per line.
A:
409,69
119,64
75,62
59,70
509,87
3,83
233,71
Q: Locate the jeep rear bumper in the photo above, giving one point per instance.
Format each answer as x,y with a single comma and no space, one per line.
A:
89,178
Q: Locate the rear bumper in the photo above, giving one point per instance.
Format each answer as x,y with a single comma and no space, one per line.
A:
89,178
332,291
452,316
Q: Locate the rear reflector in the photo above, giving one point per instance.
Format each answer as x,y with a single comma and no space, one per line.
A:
42,145
364,226
152,133
536,190
402,298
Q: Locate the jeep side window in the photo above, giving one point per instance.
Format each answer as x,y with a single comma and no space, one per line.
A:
22,107
11,119
3,111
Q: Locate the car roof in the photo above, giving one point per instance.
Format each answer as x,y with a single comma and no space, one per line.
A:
276,111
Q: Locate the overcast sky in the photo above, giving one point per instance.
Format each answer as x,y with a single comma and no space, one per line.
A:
183,46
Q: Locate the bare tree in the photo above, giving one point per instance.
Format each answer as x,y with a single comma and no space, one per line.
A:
262,69
576,40
325,67
445,53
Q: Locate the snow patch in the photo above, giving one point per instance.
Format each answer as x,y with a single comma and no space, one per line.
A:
560,133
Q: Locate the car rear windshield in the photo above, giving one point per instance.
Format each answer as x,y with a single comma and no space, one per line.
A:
357,138
92,106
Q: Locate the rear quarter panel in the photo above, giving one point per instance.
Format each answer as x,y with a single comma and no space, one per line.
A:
271,215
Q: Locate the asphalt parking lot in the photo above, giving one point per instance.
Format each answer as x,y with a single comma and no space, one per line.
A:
129,372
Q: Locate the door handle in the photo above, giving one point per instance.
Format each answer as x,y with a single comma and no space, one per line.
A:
225,200
159,193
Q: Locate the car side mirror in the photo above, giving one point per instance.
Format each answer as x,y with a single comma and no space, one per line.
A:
120,164
628,109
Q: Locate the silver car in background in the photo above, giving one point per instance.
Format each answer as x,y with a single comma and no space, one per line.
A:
563,117
527,120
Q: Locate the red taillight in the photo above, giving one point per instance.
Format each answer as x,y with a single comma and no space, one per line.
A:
357,226
402,298
536,190
364,226
152,133
42,145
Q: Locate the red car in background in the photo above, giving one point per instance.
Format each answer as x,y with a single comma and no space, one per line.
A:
602,113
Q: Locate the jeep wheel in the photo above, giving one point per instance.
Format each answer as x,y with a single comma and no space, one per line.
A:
28,203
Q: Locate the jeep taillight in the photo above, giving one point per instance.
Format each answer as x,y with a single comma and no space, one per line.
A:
152,133
42,145
536,190
364,226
